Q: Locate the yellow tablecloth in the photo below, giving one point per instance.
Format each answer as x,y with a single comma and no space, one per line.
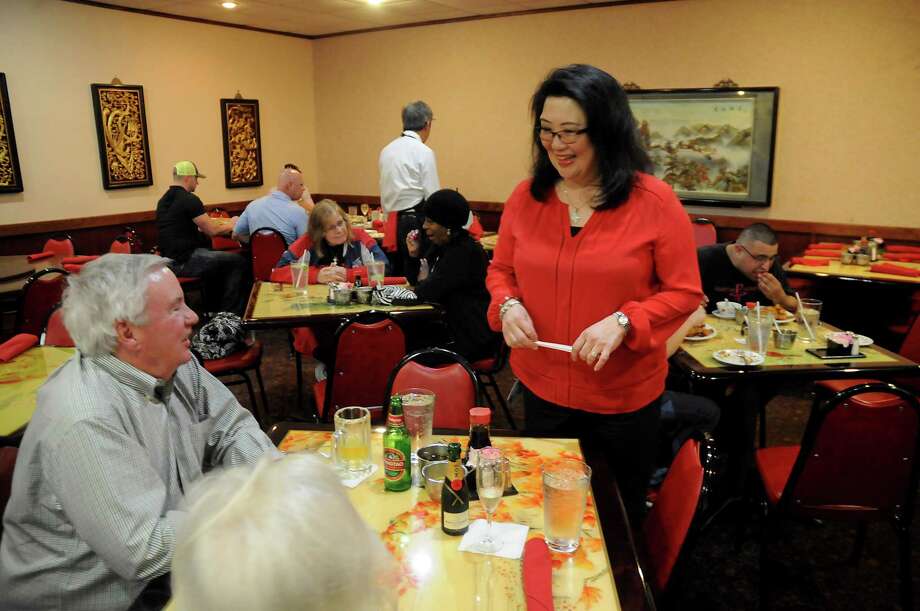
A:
836,268
19,383
284,301
435,576
728,331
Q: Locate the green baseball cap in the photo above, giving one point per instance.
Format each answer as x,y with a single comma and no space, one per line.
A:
187,168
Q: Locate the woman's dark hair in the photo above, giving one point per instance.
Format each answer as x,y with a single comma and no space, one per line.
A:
611,128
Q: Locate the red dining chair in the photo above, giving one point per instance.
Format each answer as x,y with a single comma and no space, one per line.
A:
41,292
704,232
7,465
121,244
55,333
60,244
679,500
857,462
367,348
448,375
238,365
486,370
267,246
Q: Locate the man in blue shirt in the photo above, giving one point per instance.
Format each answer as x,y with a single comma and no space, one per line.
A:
277,210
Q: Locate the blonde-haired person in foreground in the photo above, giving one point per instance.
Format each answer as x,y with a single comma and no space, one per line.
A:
285,537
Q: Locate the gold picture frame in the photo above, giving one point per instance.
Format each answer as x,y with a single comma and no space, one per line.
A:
121,127
10,172
242,140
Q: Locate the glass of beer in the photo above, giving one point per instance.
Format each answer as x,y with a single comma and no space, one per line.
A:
351,442
565,495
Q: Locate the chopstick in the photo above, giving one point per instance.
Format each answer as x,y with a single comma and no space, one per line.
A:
552,346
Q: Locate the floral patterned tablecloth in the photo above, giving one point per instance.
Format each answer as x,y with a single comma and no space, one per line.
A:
20,380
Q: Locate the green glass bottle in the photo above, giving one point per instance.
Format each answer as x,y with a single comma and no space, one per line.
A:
455,495
397,466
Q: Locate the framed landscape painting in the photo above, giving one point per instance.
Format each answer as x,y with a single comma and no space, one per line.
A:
713,146
242,142
10,173
121,128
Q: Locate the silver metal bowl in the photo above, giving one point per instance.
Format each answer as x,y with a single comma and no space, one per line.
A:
342,296
363,293
433,476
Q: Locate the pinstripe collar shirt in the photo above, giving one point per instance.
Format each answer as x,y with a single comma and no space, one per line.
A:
100,474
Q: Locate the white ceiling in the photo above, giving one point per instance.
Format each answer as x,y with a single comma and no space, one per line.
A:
325,17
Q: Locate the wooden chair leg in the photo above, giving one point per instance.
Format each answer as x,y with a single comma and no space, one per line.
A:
253,404
265,410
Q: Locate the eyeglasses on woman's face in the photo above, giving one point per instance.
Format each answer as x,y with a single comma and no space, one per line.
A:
338,225
566,136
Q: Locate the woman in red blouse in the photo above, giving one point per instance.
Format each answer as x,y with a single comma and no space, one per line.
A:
597,254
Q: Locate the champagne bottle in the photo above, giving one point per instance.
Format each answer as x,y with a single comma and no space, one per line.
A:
397,467
455,495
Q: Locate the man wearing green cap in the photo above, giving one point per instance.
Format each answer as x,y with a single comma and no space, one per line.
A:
185,230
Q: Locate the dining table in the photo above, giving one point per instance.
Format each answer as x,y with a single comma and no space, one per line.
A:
16,269
855,273
20,379
278,305
603,573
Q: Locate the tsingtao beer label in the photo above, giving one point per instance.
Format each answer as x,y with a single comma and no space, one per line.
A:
394,464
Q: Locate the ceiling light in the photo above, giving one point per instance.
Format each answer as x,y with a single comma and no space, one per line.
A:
374,2
228,4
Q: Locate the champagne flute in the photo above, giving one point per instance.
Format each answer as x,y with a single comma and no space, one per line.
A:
365,208
492,474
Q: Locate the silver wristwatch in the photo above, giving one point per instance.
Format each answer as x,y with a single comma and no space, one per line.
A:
623,320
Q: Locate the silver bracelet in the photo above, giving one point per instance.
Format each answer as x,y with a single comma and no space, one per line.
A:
506,305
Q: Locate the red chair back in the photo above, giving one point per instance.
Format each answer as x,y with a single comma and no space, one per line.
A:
267,246
7,465
857,457
454,384
365,353
667,524
704,232
121,245
60,245
56,333
911,347
42,291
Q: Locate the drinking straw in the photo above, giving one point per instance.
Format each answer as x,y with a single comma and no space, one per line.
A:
553,346
798,300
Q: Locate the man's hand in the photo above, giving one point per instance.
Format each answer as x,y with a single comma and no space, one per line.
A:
517,327
596,343
770,286
331,274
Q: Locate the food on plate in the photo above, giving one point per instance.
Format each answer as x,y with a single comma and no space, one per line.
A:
702,330
779,312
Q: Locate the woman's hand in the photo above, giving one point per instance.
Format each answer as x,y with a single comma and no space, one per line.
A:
331,274
517,327
596,343
412,243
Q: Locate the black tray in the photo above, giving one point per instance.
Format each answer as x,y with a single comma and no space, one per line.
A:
821,353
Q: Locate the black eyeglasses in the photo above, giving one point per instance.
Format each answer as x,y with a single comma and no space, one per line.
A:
566,136
759,258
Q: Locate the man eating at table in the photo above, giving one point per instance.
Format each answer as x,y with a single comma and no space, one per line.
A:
120,431
747,269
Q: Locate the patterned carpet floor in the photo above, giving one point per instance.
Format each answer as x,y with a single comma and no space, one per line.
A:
813,573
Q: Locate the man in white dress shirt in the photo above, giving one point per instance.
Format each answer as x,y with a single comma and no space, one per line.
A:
408,175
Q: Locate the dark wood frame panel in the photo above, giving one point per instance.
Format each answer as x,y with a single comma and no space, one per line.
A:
6,114
102,120
249,108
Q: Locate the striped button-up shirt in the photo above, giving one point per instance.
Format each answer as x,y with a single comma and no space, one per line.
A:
100,473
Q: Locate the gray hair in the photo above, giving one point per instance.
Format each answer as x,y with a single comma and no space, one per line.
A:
107,290
758,232
304,544
416,115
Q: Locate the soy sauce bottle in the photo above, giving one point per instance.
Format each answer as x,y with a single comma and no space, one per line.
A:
455,496
480,418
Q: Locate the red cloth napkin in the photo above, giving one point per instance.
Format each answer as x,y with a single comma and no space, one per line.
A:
39,256
79,259
826,246
833,254
395,280
16,345
810,261
538,576
378,224
902,256
73,268
891,268
903,248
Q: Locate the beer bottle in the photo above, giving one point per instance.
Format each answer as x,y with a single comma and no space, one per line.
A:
455,495
397,467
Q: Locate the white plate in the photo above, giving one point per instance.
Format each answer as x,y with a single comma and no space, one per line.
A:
710,333
737,357
719,314
785,321
864,340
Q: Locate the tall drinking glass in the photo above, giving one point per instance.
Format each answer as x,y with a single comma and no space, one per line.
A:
418,412
810,312
759,329
492,475
375,272
351,442
565,494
